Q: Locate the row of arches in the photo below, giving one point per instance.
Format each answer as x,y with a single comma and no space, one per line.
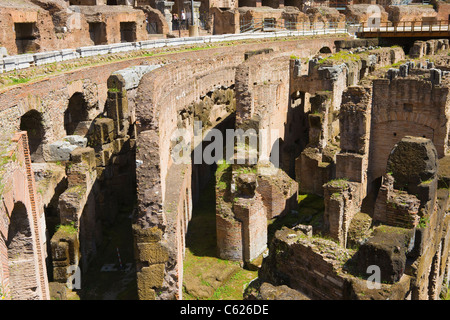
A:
33,123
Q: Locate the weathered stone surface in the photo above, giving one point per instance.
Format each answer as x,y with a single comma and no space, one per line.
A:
386,249
152,252
151,276
58,291
58,151
414,167
85,156
359,229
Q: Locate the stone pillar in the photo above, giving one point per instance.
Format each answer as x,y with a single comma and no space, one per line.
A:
193,27
166,8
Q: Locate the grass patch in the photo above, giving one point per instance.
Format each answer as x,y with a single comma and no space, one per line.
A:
201,255
310,212
341,56
19,80
67,228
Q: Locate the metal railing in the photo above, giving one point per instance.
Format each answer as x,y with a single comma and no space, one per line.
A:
406,26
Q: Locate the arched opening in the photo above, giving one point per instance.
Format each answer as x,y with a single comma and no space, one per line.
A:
32,123
200,242
271,3
368,203
75,114
22,268
325,50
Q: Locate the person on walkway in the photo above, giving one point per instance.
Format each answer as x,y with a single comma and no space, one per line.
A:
183,19
175,22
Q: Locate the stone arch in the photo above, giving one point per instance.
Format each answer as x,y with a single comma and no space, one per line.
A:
325,50
32,123
166,99
75,114
416,118
271,3
384,136
21,255
388,128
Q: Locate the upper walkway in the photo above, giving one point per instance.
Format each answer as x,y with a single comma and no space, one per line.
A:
405,29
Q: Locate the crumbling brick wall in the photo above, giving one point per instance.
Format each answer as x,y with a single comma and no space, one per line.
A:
424,105
23,273
158,111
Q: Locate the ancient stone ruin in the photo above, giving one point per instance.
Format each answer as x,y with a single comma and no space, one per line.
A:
300,167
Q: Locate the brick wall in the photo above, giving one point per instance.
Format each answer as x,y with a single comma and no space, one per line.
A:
160,98
23,273
396,106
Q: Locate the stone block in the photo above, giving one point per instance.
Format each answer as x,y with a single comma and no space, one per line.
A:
152,252
386,249
121,47
85,156
246,184
3,52
79,175
351,166
413,164
70,204
82,128
60,252
60,274
151,276
153,234
58,151
129,78
103,131
93,50
435,76
69,54
9,64
147,44
24,61
42,58
392,73
76,140
103,156
57,291
145,293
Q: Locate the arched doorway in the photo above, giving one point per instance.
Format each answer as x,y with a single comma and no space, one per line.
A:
325,50
23,280
32,123
75,114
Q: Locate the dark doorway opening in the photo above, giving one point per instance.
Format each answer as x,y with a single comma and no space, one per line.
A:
97,32
75,114
127,32
26,35
32,123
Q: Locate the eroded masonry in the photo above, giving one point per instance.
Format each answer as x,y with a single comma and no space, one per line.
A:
357,125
